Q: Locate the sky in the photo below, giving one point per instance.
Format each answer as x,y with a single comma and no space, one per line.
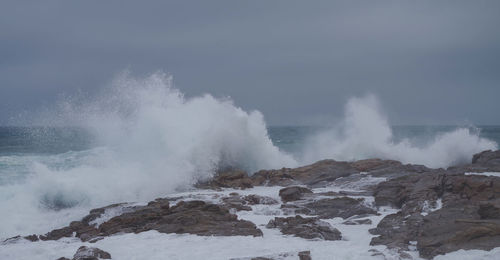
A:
298,62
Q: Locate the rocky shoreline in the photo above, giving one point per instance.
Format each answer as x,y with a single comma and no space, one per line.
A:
435,211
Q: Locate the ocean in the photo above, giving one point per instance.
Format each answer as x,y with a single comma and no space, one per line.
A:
66,147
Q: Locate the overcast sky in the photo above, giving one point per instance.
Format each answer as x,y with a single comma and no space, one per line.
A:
429,62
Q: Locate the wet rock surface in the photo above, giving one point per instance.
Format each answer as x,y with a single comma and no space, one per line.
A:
293,193
308,228
193,217
233,178
90,253
487,161
305,255
442,212
317,174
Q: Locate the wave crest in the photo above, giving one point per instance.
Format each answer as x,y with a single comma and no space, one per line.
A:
366,133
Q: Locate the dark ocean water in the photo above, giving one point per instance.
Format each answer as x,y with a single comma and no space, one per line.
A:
291,139
66,147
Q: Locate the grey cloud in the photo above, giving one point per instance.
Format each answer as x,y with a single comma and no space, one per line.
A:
296,61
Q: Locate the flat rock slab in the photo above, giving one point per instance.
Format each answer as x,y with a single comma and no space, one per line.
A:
193,217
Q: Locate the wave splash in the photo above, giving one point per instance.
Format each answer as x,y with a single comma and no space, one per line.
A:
158,140
366,133
152,141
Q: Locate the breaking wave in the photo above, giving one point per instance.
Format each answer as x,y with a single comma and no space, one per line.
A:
366,133
152,141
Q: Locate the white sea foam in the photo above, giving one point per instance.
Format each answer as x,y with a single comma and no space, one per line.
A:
366,133
496,174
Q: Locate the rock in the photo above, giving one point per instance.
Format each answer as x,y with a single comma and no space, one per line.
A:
63,258
358,222
317,174
233,178
325,171
58,233
236,202
314,174
305,255
293,193
343,207
487,158
86,231
443,212
396,230
487,161
308,228
388,168
32,238
193,217
90,253
253,199
453,229
489,211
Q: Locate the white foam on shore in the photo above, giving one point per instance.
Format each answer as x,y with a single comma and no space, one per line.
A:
496,174
154,245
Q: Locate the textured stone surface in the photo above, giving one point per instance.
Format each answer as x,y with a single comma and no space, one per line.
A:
293,193
305,227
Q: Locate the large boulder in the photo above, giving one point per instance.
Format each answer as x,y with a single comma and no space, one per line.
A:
443,212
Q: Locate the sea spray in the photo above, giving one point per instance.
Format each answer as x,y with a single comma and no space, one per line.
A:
365,133
152,141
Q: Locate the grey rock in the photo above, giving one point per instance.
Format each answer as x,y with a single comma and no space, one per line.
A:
293,193
90,253
308,228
